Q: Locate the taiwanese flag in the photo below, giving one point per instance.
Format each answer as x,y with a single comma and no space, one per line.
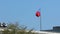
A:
38,13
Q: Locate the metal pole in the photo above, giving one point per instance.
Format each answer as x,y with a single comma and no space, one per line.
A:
40,24
40,21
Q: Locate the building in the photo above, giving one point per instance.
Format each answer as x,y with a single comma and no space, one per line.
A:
55,30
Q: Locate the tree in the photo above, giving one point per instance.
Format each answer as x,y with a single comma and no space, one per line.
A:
16,29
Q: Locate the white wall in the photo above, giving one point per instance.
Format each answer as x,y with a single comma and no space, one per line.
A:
44,32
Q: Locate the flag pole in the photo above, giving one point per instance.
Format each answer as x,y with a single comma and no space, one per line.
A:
40,21
38,14
40,24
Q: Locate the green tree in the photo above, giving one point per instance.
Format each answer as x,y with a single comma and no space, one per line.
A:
16,29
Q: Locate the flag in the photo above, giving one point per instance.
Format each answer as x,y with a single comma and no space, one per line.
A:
38,13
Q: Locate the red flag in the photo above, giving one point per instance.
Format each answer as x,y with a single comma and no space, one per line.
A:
38,13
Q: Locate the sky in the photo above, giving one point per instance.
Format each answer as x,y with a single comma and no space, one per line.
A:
23,12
